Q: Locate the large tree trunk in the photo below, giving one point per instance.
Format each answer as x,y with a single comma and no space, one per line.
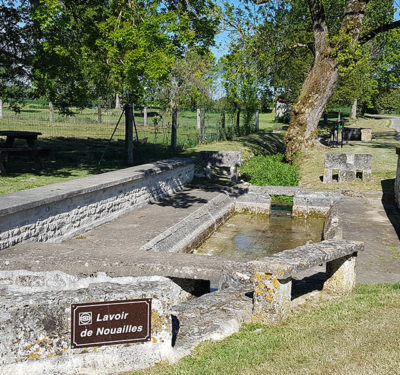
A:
315,94
323,77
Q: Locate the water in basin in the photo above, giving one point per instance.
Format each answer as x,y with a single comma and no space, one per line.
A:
250,236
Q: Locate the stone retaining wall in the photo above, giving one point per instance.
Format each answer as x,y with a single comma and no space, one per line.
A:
397,182
56,212
35,328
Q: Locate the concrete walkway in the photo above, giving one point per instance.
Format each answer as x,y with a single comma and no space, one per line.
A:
375,220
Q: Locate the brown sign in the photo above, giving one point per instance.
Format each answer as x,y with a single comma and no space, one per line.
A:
107,323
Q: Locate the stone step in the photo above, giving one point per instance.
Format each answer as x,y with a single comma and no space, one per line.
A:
213,316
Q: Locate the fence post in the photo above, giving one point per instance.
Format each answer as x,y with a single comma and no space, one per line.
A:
117,102
145,116
129,132
223,125
51,111
1,108
257,120
202,125
99,113
198,112
174,134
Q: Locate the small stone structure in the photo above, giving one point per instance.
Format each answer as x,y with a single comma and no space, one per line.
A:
64,210
220,163
347,166
272,276
357,134
397,181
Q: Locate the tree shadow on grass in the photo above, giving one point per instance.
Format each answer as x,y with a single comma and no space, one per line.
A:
264,143
68,155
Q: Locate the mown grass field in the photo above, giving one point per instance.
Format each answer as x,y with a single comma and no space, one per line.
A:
355,335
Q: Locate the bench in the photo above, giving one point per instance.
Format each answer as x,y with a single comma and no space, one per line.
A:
221,164
36,154
270,278
347,166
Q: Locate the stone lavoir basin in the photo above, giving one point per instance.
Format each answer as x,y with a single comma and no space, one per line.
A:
251,236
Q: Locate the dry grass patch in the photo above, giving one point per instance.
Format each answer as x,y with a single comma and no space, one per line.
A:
382,148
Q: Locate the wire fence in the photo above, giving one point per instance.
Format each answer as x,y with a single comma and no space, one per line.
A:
92,123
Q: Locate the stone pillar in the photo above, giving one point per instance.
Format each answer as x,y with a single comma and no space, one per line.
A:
366,135
397,181
341,275
145,116
271,298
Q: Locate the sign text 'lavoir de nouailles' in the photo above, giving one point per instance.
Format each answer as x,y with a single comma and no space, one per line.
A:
107,323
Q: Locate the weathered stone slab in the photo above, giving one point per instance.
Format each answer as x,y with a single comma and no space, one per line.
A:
211,317
307,203
213,161
253,201
35,330
289,262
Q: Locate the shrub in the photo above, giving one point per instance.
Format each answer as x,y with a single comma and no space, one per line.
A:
270,170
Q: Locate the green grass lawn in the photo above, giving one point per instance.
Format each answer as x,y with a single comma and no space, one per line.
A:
355,335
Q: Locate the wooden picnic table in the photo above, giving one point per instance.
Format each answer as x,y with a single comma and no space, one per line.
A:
12,135
31,151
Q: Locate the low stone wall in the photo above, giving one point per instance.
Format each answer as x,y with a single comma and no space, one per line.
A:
357,134
60,211
397,182
35,326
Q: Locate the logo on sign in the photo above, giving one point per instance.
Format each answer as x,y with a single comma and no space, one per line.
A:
107,323
85,318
